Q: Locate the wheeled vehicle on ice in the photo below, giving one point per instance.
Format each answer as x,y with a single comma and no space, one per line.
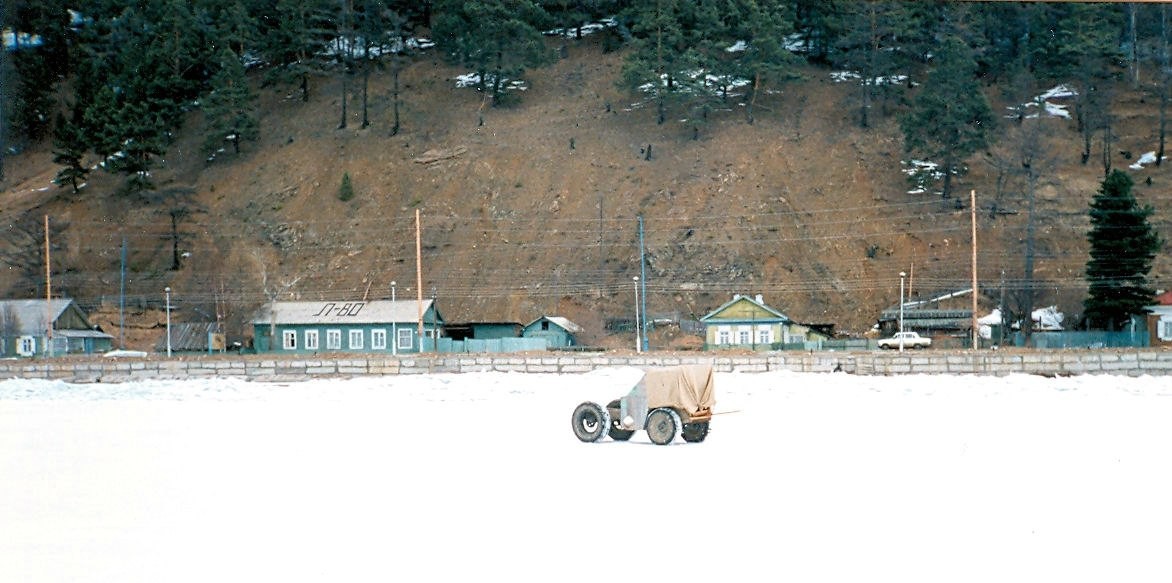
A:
665,403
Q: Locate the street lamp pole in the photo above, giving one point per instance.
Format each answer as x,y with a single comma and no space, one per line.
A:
167,290
638,335
394,326
901,276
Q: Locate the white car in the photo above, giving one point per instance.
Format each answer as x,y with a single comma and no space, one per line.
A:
909,340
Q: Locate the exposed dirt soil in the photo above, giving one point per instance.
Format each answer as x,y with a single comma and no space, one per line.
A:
531,209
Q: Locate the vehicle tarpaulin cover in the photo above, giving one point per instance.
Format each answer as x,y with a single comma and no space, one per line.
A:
689,388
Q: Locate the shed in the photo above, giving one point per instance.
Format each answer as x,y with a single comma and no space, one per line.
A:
556,330
482,330
379,326
193,337
23,329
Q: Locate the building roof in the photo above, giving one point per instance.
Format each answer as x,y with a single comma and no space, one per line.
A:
30,314
757,301
563,323
336,312
1164,299
188,336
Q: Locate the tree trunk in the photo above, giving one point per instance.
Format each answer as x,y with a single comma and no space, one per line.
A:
395,93
174,240
365,88
342,123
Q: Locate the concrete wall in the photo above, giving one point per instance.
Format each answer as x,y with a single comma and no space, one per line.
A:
1129,362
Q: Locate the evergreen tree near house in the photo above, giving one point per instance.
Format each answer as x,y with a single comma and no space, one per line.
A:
1123,246
229,110
950,118
69,149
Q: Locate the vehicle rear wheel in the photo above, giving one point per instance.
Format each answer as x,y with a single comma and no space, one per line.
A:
695,432
590,422
662,426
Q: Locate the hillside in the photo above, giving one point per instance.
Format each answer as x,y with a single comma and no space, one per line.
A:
534,211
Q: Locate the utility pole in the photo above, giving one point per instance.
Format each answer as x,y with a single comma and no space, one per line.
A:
973,210
122,299
48,293
419,276
643,282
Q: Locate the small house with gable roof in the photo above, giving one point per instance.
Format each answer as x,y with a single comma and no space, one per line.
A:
48,327
557,331
747,322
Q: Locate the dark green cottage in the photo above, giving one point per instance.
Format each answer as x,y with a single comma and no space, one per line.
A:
26,327
380,326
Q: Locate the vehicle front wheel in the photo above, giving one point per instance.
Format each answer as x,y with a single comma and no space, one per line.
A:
590,422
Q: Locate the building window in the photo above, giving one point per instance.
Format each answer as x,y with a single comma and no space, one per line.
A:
404,341
333,339
764,336
743,337
356,337
722,337
1165,329
378,339
289,339
311,340
28,346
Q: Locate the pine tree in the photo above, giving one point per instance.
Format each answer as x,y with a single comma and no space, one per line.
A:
499,39
1123,246
68,150
346,191
950,118
228,109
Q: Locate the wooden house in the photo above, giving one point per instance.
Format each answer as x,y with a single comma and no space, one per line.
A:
747,322
1160,320
557,331
379,326
26,327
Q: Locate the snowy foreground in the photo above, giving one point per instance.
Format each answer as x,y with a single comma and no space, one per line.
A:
477,477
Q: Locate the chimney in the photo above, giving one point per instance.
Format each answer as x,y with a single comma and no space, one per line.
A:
760,299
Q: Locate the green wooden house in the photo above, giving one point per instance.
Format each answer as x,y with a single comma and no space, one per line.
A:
380,326
746,322
557,331
26,327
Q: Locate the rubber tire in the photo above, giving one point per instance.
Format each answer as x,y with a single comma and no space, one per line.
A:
662,426
695,432
590,422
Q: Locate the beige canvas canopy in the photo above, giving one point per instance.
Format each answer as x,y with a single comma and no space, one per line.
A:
688,388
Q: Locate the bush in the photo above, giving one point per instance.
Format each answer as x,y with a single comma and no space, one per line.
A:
346,192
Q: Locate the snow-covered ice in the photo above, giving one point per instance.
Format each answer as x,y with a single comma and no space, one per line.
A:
475,477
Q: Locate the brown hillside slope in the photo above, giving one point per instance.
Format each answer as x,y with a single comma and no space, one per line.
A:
801,206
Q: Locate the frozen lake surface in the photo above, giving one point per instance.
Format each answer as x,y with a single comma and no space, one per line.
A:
477,477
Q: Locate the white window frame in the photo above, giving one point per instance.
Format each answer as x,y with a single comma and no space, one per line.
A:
378,339
764,335
26,346
288,339
312,340
356,339
723,337
1165,328
744,337
333,339
406,339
